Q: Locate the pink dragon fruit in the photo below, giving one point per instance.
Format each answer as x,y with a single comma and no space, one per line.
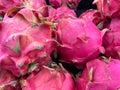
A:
100,75
6,4
20,46
111,39
93,15
108,8
70,3
49,79
7,80
111,43
80,41
59,13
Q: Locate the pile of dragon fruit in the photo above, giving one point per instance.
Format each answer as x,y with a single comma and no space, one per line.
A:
48,47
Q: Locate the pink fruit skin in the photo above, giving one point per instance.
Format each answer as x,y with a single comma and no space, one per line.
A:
39,6
111,43
115,24
111,39
49,79
93,15
56,3
108,8
23,42
7,80
80,41
6,4
62,12
34,4
72,3
99,75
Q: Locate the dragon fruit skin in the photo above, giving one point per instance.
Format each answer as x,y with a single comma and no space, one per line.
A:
111,39
39,6
34,4
62,12
111,43
72,4
6,4
26,44
108,8
81,44
114,24
54,79
7,80
99,75
56,3
93,15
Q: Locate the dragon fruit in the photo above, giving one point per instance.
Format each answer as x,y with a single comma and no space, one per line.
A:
111,43
108,8
59,13
6,4
111,39
100,75
93,15
80,41
56,79
70,3
20,46
7,80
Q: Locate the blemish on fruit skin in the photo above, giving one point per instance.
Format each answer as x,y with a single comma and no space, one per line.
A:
20,64
118,54
40,47
74,61
44,56
33,66
23,83
17,49
90,74
28,4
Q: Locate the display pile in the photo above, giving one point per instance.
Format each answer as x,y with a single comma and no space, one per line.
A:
47,47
